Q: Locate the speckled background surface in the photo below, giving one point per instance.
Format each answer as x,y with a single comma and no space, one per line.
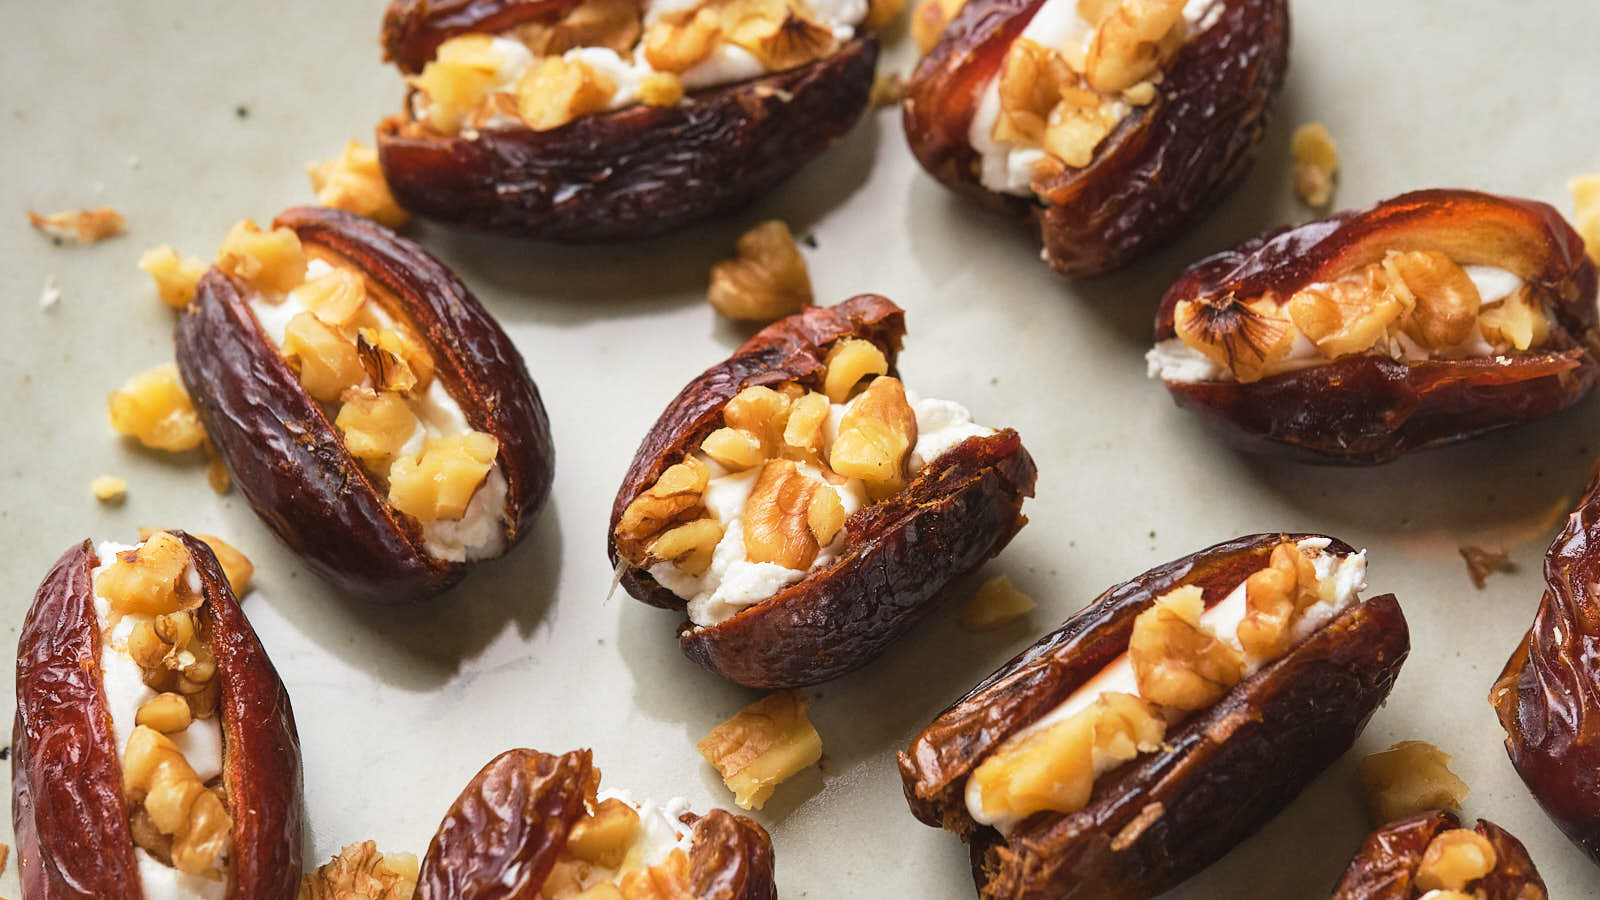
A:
187,116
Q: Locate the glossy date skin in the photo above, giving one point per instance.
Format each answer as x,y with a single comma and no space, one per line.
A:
1368,409
899,553
626,173
290,460
1163,166
1386,865
68,811
501,837
1548,696
1220,775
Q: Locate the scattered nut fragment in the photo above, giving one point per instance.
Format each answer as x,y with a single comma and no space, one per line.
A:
86,226
997,603
1409,778
360,872
175,276
765,744
154,408
1586,211
767,281
1482,561
109,489
888,89
1316,161
353,181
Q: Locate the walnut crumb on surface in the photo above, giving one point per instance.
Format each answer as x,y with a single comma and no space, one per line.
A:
888,89
1316,162
360,872
1586,211
997,603
109,489
765,744
767,281
86,226
51,295
1409,778
1481,562
353,181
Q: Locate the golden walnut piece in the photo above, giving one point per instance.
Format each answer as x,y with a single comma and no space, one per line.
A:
1177,661
767,281
360,872
175,276
353,182
162,785
109,489
1409,778
86,226
768,742
1316,161
997,603
154,408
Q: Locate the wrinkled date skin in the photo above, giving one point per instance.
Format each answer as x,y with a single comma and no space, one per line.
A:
1163,166
290,460
1386,865
1548,697
626,173
899,553
1368,409
67,806
1220,775
502,836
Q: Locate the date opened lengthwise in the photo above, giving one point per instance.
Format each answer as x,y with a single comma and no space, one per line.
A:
1162,725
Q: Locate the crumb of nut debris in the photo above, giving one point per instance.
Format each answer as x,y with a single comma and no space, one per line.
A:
1481,562
767,281
768,742
360,872
997,603
176,277
235,565
888,89
1316,161
109,489
216,471
51,295
353,181
5,854
1586,207
1409,778
86,226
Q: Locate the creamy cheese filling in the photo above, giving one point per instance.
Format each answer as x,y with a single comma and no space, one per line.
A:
1008,168
480,532
1340,581
733,582
1174,360
125,690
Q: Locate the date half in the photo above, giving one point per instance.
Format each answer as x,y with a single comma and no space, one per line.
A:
1160,166
1394,862
290,460
517,825
74,838
1216,776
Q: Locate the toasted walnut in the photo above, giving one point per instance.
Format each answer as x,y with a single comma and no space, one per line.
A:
789,517
556,90
605,836
997,603
1275,597
1316,161
1033,79
676,497
805,432
266,260
765,744
439,482
1245,339
334,298
353,181
1177,661
1075,129
166,713
1517,322
768,280
1409,778
690,547
87,226
1586,212
680,46
1133,42
157,777
328,364
109,489
147,580
375,425
360,872
1483,561
176,277
1454,859
592,23
848,361
667,880
236,567
462,73
173,656
1445,301
755,420
778,34
875,438
660,89
1351,315
929,19
386,369
154,408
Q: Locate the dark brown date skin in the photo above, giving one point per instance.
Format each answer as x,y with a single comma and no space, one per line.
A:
1370,409
290,460
67,807
502,836
899,553
626,173
1221,774
1386,865
1548,696
1163,166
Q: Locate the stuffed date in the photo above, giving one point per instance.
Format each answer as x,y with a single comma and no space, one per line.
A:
154,752
1428,319
804,507
371,411
1163,724
1431,856
1108,125
602,119
532,824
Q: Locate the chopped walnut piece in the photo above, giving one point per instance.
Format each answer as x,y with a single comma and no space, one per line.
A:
604,836
1445,301
334,298
1073,130
375,425
768,280
353,181
1351,315
167,713
672,46
236,567
997,603
1481,562
789,517
1275,597
556,90
888,89
360,872
765,744
676,497
591,23
86,226
379,354
928,22
176,277
1177,661
1586,211
327,363
463,71
1409,778
154,408
109,489
1316,161
668,880
804,432
848,361
660,89
690,547
1517,322
156,777
1245,339
1135,40
755,421
146,580
266,260
1454,859
875,437
1033,80
776,32
439,482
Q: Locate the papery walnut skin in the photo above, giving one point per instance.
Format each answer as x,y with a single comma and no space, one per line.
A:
964,507
71,823
502,836
626,173
1163,165
1548,696
289,459
1221,774
1386,865
1368,409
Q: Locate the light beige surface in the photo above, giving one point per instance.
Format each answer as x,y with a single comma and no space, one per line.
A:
186,117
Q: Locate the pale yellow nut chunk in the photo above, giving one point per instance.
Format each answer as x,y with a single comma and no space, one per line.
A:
236,567
605,836
145,581
1351,315
789,516
328,364
690,546
660,89
1516,323
1275,598
1177,661
754,425
353,181
1409,778
1316,161
1454,859
1135,40
804,433
768,280
271,261
556,90
677,47
462,73
996,604
167,713
779,35
109,489
1444,303
334,298
676,497
875,437
847,362
375,425
767,743
439,482
154,408
928,21
156,777
360,872
176,277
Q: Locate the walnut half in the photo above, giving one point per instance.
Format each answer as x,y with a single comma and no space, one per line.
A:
767,281
768,742
360,872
